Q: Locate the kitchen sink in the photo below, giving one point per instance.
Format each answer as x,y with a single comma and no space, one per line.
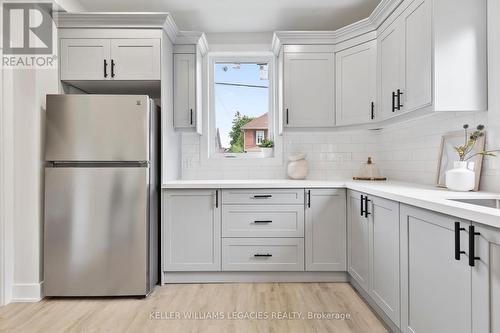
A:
490,203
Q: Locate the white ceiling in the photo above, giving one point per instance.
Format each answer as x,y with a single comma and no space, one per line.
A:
247,15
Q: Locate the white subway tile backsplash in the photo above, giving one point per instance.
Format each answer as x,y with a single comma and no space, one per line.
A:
407,151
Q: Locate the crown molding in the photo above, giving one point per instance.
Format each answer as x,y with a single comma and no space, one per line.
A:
193,37
170,28
123,20
357,29
382,12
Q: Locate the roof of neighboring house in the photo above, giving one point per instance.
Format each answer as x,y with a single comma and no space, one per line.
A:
257,123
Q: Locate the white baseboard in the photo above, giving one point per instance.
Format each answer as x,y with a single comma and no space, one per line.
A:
249,277
27,292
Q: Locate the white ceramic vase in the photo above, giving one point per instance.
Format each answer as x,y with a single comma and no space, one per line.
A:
297,168
460,178
267,152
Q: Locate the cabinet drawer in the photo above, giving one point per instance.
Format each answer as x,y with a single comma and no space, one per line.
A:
264,196
263,254
263,221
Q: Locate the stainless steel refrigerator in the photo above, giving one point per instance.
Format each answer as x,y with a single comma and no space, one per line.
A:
101,195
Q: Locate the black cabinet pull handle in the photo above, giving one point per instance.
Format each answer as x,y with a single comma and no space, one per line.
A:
216,198
366,206
373,110
262,221
361,210
309,199
458,252
399,93
191,116
262,196
112,68
287,117
260,255
472,246
105,68
393,101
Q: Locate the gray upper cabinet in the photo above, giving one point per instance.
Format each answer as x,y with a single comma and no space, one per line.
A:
356,84
309,87
184,90
436,288
427,62
135,59
85,59
325,224
110,59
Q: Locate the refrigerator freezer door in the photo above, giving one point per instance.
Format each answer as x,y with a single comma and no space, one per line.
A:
96,231
97,128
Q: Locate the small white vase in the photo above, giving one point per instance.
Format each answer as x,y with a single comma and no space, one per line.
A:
460,178
297,168
266,152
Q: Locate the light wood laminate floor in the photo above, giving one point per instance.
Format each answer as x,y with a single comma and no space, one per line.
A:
296,300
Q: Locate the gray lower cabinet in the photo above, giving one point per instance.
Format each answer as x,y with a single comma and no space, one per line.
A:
486,280
263,254
373,249
384,255
436,287
325,224
191,230
358,264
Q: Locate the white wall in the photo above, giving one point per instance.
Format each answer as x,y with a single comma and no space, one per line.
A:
23,114
29,88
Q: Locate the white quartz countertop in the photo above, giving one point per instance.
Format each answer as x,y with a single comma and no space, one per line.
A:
423,196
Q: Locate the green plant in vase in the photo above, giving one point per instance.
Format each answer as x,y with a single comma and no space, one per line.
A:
266,147
461,177
466,151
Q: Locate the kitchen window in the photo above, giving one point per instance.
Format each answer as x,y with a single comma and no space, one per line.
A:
241,108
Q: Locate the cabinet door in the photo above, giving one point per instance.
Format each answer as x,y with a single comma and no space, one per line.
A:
184,90
384,256
390,50
85,59
358,241
326,230
309,90
191,230
486,280
356,84
436,288
417,25
135,59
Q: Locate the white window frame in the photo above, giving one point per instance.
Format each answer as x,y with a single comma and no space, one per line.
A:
209,155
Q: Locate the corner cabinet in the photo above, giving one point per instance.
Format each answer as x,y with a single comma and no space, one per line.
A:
426,62
110,59
325,230
373,249
356,84
191,230
308,86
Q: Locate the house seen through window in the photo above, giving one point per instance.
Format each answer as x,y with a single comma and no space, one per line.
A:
241,100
